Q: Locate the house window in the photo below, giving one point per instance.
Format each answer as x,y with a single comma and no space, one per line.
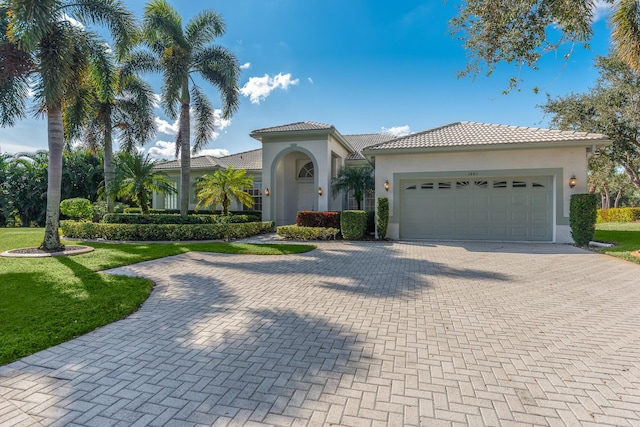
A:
256,193
519,184
306,171
427,186
171,199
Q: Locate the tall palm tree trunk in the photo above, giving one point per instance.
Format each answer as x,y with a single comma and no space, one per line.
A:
55,135
108,164
185,158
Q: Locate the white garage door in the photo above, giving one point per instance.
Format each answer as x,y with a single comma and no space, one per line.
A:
503,209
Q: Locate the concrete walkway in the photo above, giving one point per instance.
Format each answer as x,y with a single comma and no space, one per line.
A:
363,333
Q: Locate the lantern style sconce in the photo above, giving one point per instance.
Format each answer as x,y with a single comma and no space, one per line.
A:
386,185
319,191
572,181
267,192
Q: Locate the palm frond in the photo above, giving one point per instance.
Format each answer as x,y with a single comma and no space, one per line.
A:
205,27
221,68
626,31
162,23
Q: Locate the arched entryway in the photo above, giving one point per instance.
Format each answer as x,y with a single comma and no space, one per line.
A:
294,185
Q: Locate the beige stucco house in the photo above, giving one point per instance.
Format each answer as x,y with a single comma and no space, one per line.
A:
461,181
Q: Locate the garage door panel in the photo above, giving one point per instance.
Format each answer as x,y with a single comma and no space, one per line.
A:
491,209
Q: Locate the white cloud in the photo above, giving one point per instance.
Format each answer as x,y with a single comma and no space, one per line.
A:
258,88
167,128
163,150
397,130
157,98
72,21
245,66
310,80
601,9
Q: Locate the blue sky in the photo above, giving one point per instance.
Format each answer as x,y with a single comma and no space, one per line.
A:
361,65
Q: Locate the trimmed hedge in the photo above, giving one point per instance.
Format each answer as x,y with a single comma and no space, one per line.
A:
353,224
582,217
307,233
318,219
618,215
191,212
171,232
382,220
178,219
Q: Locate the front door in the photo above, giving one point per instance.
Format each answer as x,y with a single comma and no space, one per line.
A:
306,196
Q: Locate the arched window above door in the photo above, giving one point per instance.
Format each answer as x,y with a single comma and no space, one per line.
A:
306,171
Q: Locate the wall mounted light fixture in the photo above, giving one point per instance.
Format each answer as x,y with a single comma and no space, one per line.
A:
572,181
386,185
319,191
267,192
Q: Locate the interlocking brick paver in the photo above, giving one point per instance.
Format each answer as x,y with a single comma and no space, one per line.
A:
354,333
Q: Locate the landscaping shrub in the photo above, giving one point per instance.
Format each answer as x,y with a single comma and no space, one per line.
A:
318,219
154,232
307,233
618,215
382,220
77,209
178,219
353,224
582,217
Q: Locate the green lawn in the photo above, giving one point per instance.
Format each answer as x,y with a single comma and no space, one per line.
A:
46,301
625,234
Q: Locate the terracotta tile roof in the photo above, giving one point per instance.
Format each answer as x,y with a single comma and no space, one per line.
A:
250,160
200,162
293,127
461,134
363,140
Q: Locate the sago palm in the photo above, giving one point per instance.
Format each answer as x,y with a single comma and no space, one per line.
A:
180,54
358,179
223,186
39,44
136,178
119,107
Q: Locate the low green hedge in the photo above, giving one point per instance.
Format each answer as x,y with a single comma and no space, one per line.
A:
307,233
191,212
177,219
618,215
153,232
353,224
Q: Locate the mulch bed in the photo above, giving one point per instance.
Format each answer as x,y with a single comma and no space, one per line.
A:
38,253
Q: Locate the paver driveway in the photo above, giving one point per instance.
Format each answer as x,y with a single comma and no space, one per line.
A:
355,334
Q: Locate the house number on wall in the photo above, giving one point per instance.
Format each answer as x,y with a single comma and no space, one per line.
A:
472,174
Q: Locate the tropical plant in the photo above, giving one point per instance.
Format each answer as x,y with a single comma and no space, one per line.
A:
180,54
77,208
223,186
39,43
82,175
358,179
611,107
136,178
25,186
118,107
521,32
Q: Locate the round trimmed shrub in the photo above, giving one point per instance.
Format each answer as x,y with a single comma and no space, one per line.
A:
77,208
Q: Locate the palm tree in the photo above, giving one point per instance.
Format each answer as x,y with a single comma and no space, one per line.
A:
626,32
183,54
358,179
119,106
222,187
37,40
136,178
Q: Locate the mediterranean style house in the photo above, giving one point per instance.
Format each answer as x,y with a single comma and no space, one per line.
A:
461,181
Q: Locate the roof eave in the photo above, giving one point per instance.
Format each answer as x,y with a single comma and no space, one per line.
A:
599,143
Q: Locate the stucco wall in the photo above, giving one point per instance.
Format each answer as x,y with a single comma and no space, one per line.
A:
561,163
